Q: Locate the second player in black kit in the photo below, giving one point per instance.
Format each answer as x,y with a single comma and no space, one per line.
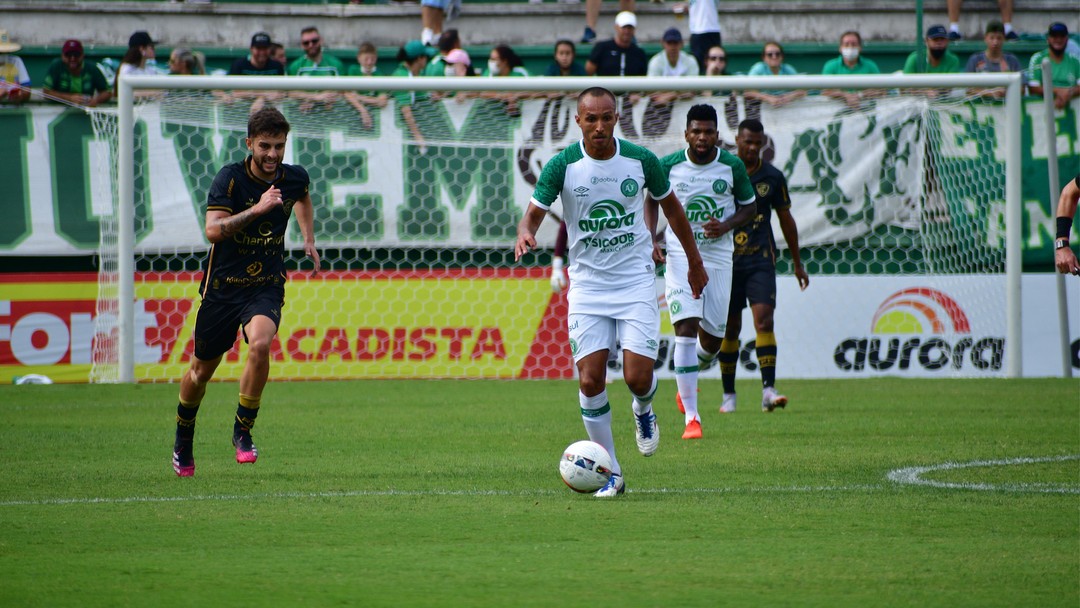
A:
243,285
753,276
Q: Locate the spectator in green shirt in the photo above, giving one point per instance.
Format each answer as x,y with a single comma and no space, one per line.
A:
73,79
413,105
1064,68
366,59
315,63
449,41
850,62
938,58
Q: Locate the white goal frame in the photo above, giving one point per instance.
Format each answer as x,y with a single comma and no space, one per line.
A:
129,85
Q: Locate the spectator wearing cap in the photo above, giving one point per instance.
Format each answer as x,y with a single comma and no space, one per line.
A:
459,63
258,63
672,61
772,64
620,56
413,105
1064,68
136,61
850,62
563,62
939,60
14,79
73,79
366,65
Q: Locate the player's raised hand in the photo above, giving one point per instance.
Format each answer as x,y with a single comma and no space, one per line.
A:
270,199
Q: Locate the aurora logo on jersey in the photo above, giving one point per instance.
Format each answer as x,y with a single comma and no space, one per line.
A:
700,209
606,215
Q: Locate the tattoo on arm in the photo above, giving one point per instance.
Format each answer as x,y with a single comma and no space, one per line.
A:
232,224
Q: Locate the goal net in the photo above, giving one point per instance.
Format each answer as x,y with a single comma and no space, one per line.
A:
900,205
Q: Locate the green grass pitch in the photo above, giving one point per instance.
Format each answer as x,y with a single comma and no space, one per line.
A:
446,493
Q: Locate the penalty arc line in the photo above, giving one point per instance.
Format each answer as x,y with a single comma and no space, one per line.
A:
913,476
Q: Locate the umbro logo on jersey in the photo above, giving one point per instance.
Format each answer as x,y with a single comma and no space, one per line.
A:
581,191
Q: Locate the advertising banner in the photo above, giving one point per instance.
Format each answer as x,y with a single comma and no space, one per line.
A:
342,325
397,325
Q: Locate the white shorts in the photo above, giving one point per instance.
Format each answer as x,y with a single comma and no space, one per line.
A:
631,318
711,307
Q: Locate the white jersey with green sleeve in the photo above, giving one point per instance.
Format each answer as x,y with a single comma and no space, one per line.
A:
603,204
716,189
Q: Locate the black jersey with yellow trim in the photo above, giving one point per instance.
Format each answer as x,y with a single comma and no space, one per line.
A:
754,241
255,256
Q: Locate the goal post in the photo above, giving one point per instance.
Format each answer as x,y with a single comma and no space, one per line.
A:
937,205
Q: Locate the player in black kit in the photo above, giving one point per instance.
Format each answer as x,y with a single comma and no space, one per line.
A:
243,284
754,276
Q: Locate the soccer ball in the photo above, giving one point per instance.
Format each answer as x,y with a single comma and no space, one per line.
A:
585,466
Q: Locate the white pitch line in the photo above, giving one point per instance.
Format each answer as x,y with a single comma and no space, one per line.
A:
418,493
906,476
913,476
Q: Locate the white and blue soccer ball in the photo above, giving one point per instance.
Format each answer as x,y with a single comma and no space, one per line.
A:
585,466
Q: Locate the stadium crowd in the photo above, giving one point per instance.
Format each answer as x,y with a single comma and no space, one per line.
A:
72,78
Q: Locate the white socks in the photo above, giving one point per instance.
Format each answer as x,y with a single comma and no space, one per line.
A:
686,375
596,414
643,403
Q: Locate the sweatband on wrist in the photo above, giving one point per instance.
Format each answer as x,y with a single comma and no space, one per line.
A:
1064,225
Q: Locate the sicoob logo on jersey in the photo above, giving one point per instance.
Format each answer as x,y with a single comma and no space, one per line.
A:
607,215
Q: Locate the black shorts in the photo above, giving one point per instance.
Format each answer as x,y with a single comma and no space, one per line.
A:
756,284
217,322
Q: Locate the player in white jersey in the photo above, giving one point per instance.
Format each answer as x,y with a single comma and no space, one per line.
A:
716,192
602,182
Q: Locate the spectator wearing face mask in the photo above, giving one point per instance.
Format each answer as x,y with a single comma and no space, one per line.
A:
850,62
938,58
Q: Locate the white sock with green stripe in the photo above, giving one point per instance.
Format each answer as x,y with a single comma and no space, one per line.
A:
643,403
704,358
686,375
596,413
